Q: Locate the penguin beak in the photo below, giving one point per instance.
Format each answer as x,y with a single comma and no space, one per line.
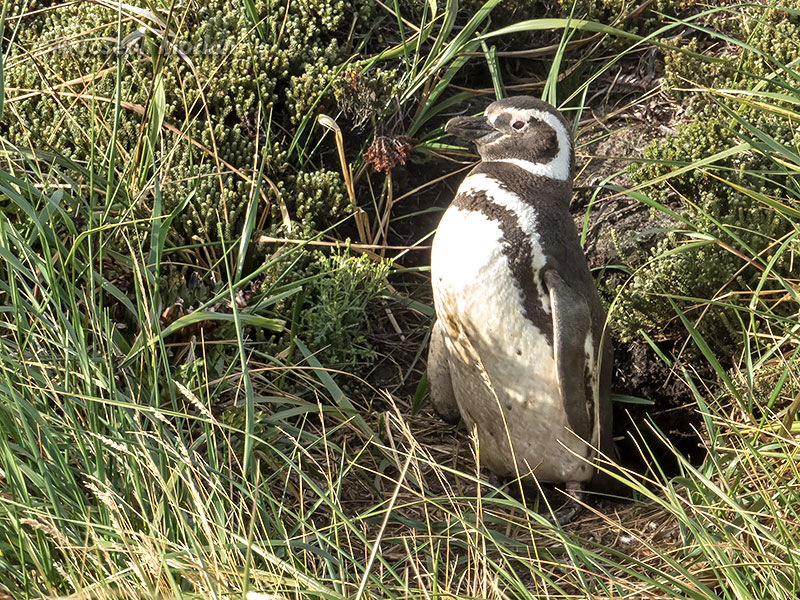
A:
469,128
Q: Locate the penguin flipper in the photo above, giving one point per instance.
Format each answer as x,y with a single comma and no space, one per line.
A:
441,388
572,323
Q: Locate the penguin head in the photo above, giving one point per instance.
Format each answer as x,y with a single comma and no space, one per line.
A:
520,130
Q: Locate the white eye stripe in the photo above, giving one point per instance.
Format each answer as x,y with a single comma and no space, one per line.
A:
558,168
561,165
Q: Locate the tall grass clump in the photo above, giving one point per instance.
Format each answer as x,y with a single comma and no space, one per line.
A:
128,471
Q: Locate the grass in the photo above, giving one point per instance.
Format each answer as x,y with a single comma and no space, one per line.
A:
136,463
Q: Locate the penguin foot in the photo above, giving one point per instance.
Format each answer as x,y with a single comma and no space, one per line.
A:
565,515
471,491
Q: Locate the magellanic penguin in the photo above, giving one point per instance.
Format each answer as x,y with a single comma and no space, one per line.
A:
518,349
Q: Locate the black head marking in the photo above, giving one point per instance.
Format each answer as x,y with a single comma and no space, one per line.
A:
517,128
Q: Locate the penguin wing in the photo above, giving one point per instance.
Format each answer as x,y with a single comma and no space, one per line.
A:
572,324
441,388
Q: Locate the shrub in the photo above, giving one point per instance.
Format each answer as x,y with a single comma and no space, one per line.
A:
732,203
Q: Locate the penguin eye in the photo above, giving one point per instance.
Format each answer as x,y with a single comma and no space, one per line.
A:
518,125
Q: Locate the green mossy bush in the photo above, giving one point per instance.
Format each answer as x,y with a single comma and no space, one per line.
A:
216,71
237,88
724,202
767,39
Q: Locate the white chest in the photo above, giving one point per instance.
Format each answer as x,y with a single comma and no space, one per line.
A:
472,277
480,300
502,364
475,293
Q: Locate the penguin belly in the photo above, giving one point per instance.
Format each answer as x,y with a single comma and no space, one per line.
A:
502,365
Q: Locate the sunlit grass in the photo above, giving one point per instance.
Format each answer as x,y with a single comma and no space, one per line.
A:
126,471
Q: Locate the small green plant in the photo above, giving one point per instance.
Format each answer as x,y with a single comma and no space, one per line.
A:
336,318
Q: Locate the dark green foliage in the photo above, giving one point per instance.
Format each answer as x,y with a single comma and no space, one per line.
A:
700,269
768,38
317,195
217,71
637,16
239,88
729,201
362,96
